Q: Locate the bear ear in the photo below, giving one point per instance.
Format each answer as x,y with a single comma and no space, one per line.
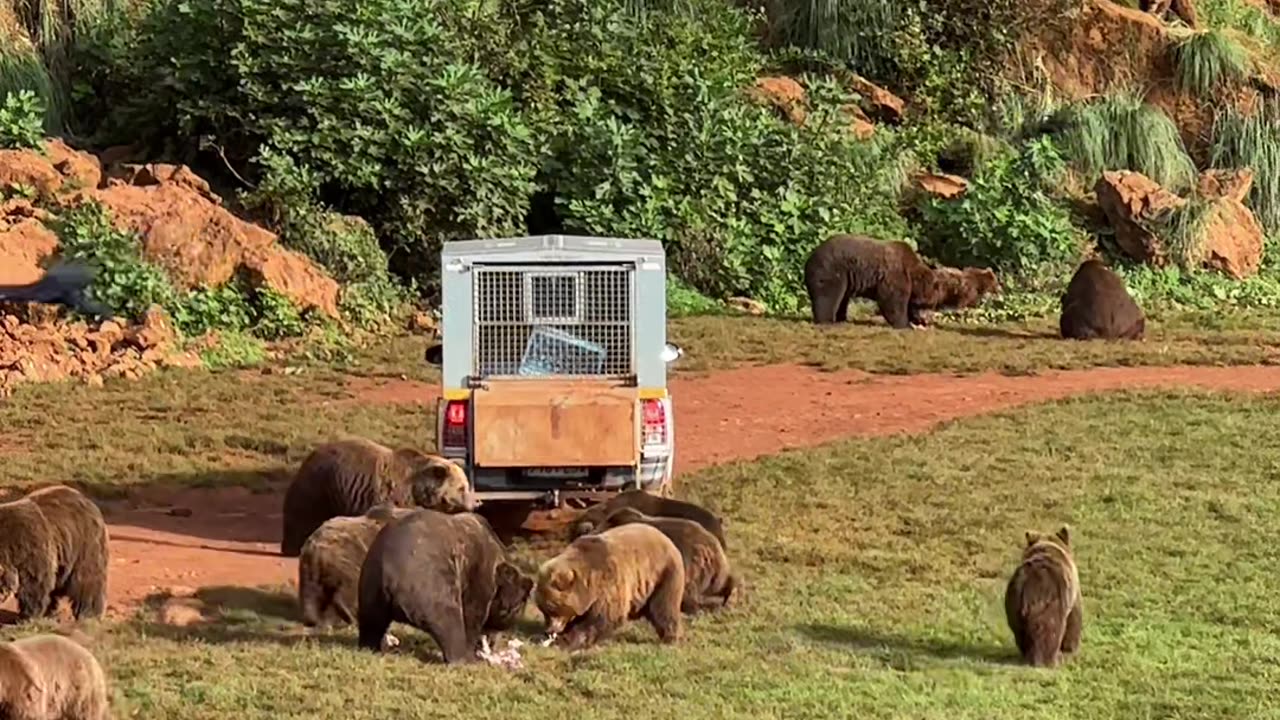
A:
1064,534
1032,536
563,580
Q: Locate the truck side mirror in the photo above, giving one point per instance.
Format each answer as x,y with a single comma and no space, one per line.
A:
671,352
435,354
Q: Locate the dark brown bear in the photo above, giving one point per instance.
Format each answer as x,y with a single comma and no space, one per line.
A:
1097,305
51,677
444,574
845,267
1042,600
653,506
53,544
957,290
708,582
601,581
329,566
347,477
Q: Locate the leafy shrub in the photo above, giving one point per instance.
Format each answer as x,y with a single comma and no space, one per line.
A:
21,120
1006,219
234,350
1207,61
1123,132
1253,141
683,300
22,70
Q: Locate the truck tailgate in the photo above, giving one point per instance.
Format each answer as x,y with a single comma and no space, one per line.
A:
555,423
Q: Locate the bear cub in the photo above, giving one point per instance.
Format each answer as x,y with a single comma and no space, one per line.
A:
51,677
1042,600
651,505
708,582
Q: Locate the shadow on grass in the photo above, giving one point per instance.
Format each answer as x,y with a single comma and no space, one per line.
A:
869,640
227,600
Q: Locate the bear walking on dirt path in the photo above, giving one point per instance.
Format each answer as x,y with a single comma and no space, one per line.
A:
601,581
1097,305
651,505
347,477
1042,600
845,267
51,677
708,582
444,574
53,544
329,566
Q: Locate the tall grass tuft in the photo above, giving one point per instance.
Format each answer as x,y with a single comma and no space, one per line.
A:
1182,229
1206,62
22,68
1253,141
855,31
1122,132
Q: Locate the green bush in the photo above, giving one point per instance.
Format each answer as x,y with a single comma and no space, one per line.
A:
21,120
1006,219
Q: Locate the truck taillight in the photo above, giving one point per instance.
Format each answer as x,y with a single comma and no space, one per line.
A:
654,427
455,424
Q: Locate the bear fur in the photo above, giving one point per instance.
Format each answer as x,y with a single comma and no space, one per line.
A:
957,290
54,545
329,565
845,267
603,580
1097,305
51,677
445,574
708,581
347,477
653,506
1042,600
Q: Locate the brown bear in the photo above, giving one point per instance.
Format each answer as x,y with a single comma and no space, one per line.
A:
708,581
1097,305
601,581
347,477
445,574
957,290
845,267
653,506
53,545
51,677
329,566
1042,600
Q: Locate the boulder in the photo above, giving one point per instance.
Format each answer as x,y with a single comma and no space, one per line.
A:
1234,184
23,247
1131,201
882,104
784,94
82,168
1231,239
941,185
29,169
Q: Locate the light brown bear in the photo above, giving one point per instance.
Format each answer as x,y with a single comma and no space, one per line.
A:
601,581
51,677
347,477
329,566
957,290
53,545
1042,600
653,506
708,582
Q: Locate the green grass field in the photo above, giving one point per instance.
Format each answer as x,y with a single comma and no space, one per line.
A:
874,575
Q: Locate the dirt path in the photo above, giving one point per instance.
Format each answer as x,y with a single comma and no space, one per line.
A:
732,415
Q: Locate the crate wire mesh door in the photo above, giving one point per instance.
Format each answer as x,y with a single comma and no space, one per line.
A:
533,321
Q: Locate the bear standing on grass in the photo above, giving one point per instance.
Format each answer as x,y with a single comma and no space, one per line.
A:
600,582
708,583
446,575
845,267
347,477
957,290
1042,600
329,566
51,677
1097,305
651,505
53,544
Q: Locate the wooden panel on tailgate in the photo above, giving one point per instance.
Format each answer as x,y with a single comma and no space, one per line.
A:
555,423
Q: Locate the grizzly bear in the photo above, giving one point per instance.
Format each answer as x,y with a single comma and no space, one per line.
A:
845,267
54,545
601,581
51,677
445,574
1042,600
1097,305
329,566
347,477
653,506
957,290
707,579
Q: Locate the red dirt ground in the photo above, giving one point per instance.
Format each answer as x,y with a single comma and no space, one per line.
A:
731,415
